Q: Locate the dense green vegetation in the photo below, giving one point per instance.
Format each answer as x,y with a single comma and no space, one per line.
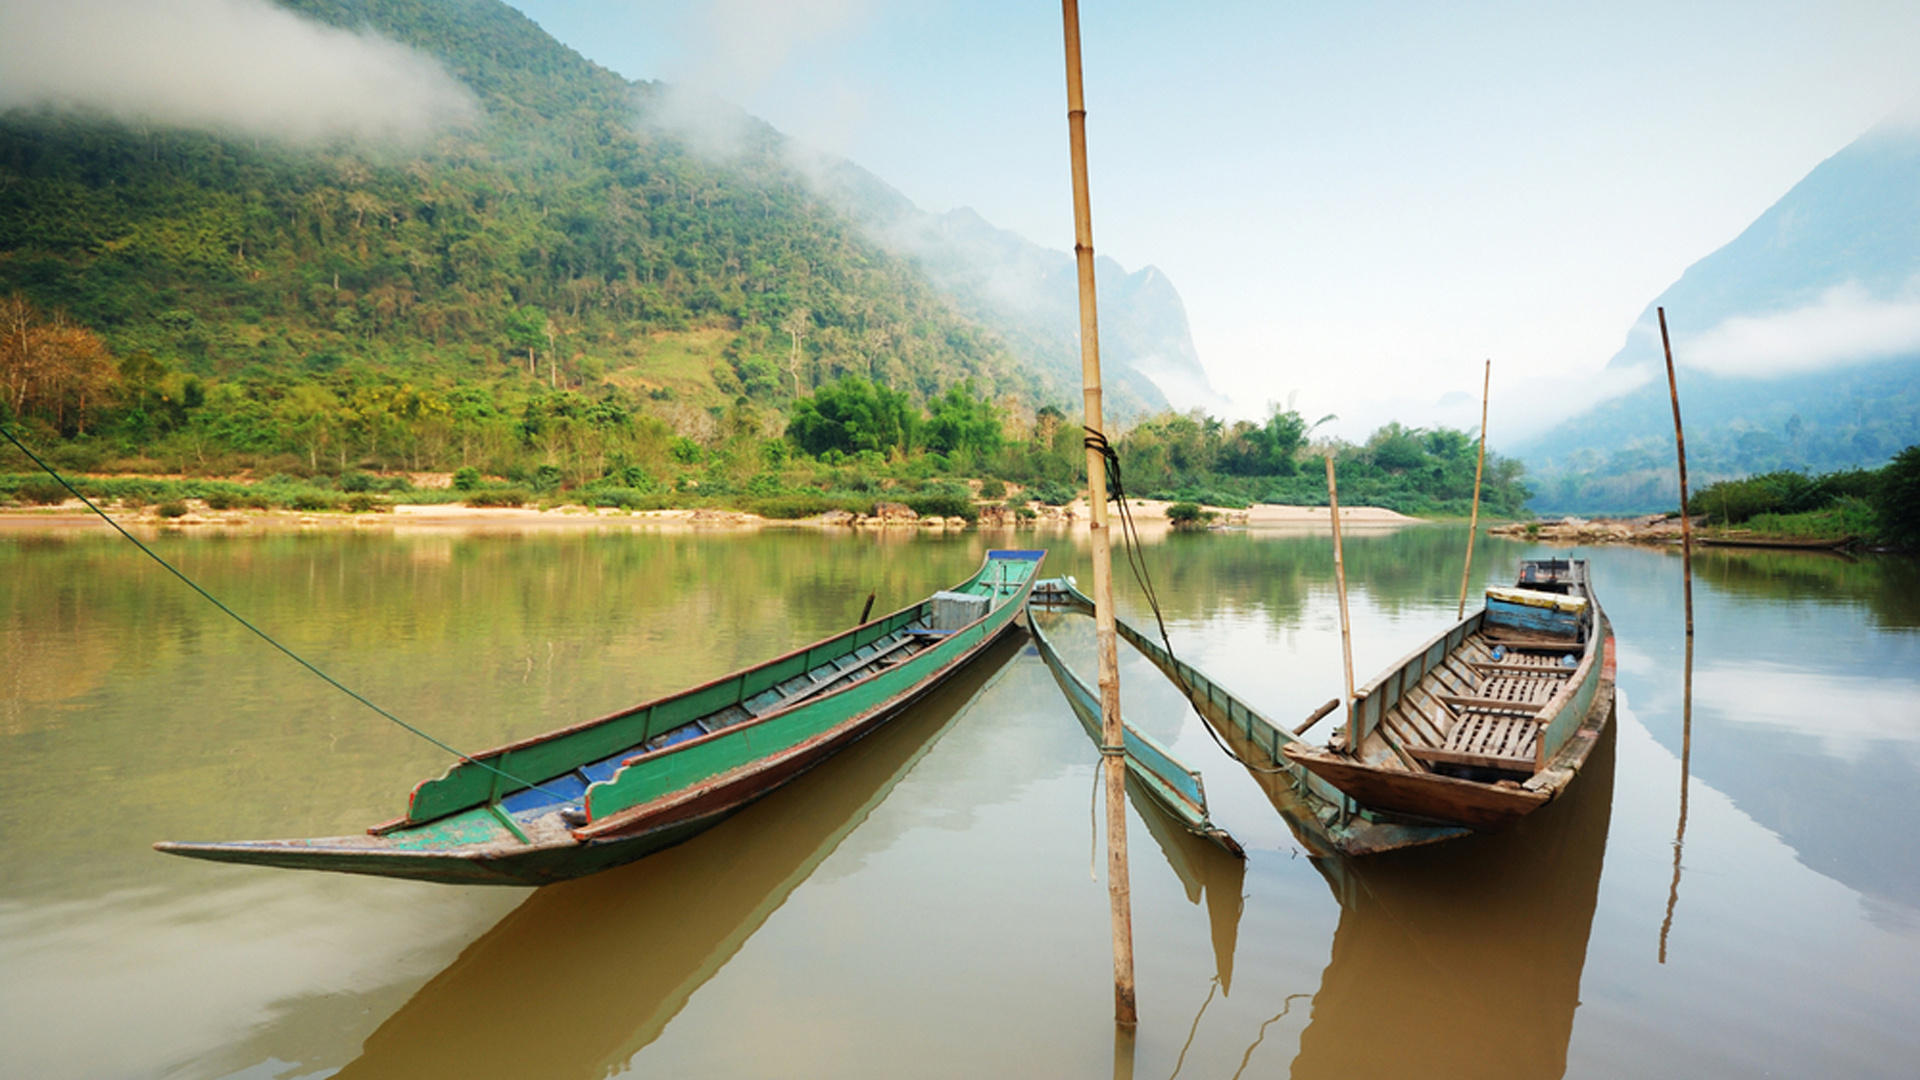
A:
1415,471
1872,504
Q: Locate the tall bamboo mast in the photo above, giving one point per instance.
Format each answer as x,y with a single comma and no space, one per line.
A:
1479,470
1680,448
1113,746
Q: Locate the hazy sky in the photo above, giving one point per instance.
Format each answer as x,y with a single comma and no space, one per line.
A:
1360,201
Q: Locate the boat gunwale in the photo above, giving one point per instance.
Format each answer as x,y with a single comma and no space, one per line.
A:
625,817
918,609
1191,814
936,652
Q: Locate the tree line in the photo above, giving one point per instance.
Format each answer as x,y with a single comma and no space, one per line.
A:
135,413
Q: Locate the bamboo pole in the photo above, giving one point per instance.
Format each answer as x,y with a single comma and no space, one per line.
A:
1680,447
1340,578
1112,739
1479,470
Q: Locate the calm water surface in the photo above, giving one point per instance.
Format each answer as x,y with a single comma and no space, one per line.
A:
925,904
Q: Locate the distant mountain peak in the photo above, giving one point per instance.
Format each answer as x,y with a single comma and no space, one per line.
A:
1845,239
1797,344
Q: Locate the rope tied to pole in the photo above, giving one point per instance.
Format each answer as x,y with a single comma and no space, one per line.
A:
259,633
1098,442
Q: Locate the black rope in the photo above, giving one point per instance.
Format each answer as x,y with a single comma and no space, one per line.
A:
259,633
1136,561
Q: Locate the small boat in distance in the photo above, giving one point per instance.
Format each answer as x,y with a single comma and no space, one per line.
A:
599,794
1489,720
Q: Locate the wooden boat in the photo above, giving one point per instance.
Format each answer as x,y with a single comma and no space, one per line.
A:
1319,815
1490,719
598,794
1152,770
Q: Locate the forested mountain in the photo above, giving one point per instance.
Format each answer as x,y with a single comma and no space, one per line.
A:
1797,346
559,243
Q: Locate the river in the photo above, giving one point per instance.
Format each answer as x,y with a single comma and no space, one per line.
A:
926,904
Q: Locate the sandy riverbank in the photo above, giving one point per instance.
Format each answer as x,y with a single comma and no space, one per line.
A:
1152,512
1655,529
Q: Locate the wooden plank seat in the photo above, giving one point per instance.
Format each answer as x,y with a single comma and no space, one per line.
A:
1462,704
1487,740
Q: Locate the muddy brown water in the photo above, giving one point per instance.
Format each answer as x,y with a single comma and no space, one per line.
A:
925,905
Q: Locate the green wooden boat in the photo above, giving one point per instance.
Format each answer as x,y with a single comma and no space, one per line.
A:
598,794
1165,780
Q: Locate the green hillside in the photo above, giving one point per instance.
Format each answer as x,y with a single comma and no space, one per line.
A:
561,258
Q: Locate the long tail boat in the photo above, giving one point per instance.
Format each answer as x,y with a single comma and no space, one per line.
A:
608,791
1490,719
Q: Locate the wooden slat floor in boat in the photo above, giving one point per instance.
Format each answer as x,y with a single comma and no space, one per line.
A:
1472,709
1489,740
1522,689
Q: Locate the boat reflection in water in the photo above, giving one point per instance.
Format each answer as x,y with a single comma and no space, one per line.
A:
1205,870
587,973
1464,960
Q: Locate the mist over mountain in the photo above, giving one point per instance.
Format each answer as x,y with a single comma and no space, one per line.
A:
1030,294
1797,346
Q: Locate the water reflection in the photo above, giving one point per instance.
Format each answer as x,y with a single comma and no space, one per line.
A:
1804,711
956,931
1205,870
1686,766
586,973
1464,959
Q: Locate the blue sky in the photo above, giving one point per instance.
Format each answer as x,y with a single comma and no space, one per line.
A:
1359,202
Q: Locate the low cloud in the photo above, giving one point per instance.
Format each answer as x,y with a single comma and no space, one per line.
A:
235,66
1845,325
738,49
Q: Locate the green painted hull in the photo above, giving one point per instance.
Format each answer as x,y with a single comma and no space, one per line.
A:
585,798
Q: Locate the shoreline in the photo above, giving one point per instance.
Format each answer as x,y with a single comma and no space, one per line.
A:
72,515
1658,530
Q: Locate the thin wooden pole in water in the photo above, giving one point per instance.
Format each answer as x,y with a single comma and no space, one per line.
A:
1340,579
1680,448
1479,470
1112,738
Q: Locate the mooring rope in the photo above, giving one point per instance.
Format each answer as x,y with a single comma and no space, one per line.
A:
1136,561
259,633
